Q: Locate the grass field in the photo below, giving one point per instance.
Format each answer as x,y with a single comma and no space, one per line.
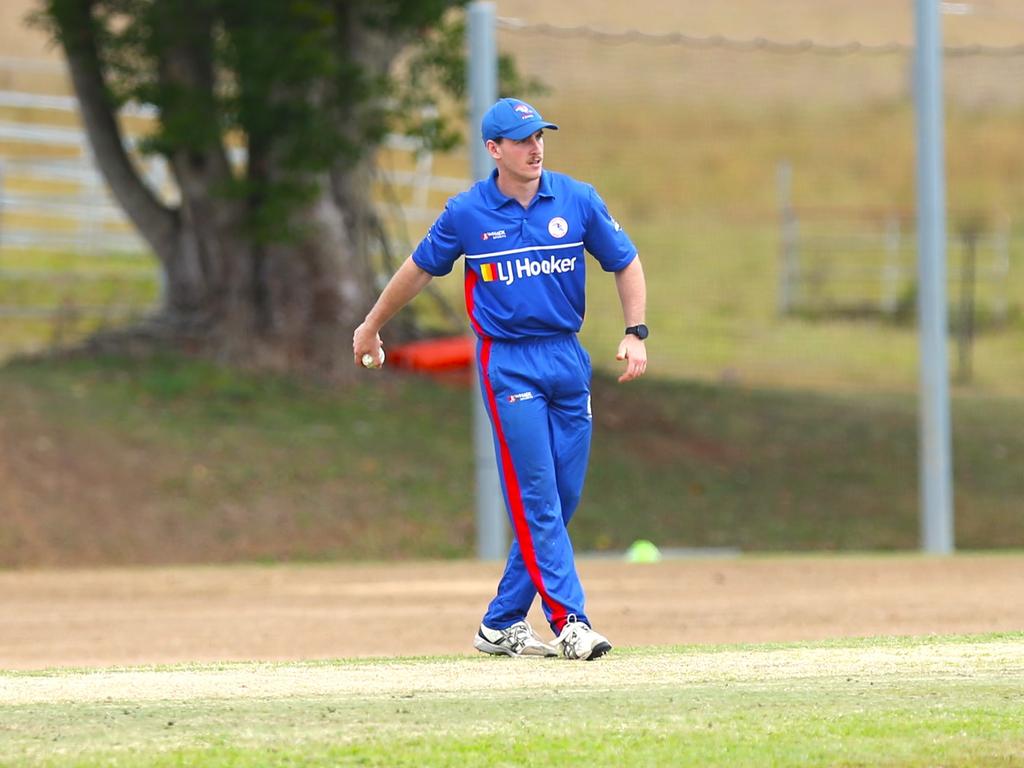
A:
951,701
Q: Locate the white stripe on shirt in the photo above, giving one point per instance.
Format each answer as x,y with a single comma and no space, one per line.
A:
523,250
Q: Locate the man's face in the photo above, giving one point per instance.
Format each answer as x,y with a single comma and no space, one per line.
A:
519,160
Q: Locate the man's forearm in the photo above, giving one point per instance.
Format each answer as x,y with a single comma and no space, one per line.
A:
632,290
403,287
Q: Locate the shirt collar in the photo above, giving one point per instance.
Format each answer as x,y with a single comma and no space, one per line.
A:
496,198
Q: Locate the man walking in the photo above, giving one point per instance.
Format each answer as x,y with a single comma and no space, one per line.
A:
523,232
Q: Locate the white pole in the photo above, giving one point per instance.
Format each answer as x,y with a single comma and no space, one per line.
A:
491,522
935,442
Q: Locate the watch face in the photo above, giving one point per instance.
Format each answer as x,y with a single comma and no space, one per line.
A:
640,331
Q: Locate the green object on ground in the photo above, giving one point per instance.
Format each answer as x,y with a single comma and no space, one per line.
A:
643,551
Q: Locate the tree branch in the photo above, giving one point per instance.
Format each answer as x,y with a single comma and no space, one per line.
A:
187,78
157,223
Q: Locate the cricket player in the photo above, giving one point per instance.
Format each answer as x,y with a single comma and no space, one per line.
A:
523,233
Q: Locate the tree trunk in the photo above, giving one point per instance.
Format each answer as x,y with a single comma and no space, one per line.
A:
281,305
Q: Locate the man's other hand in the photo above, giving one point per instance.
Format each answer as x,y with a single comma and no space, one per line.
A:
634,352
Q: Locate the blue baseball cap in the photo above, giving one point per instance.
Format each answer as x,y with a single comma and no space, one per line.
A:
512,119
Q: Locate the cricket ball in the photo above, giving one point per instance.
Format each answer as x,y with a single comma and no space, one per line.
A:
368,361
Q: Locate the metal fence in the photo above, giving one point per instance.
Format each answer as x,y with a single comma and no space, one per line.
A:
861,262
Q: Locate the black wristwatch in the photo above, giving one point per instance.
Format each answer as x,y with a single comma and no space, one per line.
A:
640,331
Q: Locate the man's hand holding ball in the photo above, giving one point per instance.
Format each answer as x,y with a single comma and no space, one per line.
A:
364,341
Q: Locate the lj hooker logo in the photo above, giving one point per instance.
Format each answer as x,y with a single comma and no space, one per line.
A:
509,271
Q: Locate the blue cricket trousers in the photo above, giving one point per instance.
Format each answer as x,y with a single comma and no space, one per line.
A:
537,393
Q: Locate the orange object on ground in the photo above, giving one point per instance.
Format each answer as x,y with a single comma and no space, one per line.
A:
434,355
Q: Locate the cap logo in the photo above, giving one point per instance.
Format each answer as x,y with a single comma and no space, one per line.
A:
510,119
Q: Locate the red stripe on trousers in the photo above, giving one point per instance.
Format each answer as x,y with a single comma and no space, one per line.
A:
515,496
469,286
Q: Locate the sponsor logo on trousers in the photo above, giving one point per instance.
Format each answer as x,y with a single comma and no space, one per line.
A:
508,271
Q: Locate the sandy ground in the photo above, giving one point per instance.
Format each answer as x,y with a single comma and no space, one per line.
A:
99,618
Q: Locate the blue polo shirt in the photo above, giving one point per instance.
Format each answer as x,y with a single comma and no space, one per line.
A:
525,268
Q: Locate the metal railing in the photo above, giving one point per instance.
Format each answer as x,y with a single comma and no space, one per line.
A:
860,261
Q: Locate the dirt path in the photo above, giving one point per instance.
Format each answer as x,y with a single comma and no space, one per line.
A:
168,615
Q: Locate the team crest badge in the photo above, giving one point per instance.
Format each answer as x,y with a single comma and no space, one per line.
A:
558,227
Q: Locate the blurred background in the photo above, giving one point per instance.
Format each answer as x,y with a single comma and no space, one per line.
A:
762,158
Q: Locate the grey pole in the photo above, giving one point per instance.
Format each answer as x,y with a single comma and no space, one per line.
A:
790,272
935,443
491,522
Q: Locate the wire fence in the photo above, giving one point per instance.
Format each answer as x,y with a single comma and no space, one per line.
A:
684,137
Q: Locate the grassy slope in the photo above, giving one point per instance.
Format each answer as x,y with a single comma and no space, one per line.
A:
792,705
178,461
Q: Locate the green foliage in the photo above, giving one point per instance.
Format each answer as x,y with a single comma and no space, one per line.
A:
439,66
303,85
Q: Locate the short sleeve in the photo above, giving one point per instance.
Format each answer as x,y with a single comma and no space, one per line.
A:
437,252
605,239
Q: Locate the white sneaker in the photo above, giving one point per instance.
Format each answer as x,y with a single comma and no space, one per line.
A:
517,640
578,641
